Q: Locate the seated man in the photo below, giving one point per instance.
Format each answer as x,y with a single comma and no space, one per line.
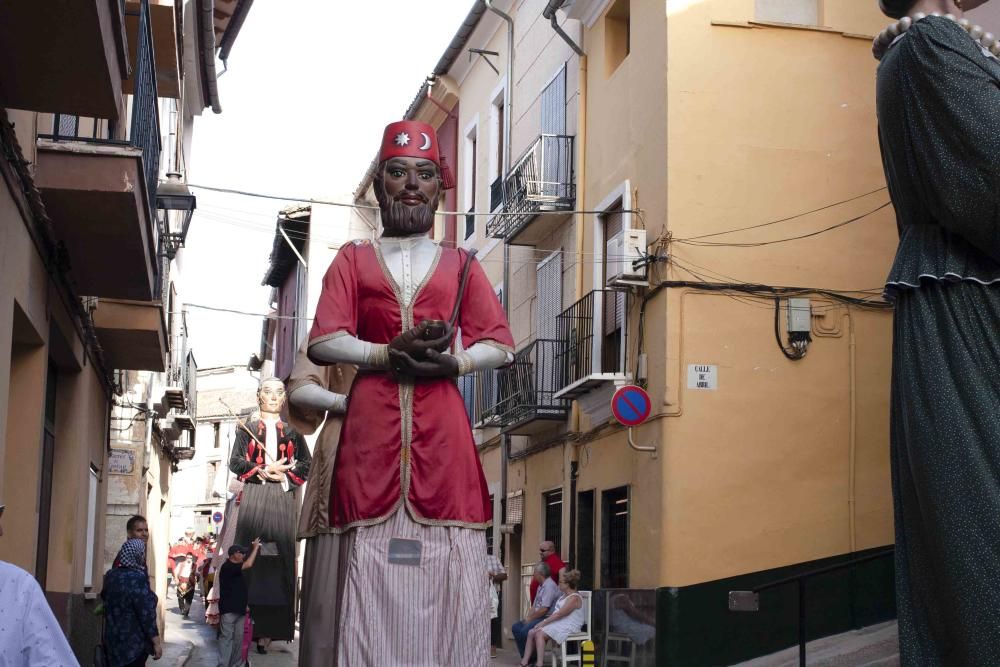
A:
545,601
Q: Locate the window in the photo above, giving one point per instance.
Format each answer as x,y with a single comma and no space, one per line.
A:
470,218
470,170
498,121
585,539
557,168
614,538
798,12
552,507
490,548
218,434
88,567
618,35
45,486
613,316
548,296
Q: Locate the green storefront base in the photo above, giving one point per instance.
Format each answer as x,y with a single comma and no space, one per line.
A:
695,627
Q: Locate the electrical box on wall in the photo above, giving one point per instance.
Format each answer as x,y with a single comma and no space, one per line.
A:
799,316
623,251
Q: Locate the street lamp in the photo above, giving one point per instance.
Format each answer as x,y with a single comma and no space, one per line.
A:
174,207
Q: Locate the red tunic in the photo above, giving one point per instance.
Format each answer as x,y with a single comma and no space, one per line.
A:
406,442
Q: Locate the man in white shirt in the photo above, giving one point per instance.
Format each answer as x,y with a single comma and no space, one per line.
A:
31,635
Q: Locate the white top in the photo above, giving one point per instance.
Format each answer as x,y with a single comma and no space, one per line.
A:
270,440
560,629
408,259
30,636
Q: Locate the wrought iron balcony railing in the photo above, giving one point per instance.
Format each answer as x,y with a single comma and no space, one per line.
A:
518,395
527,387
594,332
479,390
542,179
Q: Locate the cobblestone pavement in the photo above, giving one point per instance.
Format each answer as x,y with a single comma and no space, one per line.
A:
190,642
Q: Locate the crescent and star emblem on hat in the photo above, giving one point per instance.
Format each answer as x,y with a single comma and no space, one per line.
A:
417,139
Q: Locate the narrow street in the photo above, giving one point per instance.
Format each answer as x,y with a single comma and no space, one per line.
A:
191,642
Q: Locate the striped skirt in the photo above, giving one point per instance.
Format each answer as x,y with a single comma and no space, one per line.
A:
431,610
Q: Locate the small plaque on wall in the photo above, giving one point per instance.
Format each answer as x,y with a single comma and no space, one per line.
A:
121,461
703,376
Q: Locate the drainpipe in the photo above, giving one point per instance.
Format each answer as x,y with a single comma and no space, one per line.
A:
581,157
508,94
550,13
508,107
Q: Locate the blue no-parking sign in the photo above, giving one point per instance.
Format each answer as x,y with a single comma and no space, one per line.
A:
217,517
631,405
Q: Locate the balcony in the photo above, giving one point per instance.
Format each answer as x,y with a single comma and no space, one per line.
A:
98,182
132,333
520,398
527,401
594,331
163,25
66,56
542,180
180,395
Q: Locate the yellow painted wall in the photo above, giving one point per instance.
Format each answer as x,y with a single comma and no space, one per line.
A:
26,343
717,127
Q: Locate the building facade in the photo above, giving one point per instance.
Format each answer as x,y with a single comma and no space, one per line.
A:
96,379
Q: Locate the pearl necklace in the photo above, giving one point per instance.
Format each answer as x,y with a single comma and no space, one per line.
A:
986,40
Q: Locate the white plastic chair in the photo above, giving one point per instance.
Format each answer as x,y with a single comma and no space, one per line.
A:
564,656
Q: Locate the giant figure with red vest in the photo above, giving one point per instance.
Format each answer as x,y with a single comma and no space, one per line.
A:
408,500
272,460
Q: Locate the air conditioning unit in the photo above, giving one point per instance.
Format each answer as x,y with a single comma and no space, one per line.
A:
623,250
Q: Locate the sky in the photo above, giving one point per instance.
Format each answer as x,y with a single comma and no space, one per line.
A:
310,85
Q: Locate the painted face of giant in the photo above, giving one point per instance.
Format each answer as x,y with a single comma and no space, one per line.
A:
407,189
271,396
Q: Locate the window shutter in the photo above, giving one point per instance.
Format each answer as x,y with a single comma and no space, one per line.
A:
548,302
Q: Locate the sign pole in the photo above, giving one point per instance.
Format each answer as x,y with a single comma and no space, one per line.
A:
640,448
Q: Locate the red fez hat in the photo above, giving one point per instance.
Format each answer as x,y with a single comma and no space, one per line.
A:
413,138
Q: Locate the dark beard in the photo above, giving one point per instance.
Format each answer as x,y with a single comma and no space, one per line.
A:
403,220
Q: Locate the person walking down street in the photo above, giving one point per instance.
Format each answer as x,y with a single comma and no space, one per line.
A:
233,603
567,618
31,635
497,574
130,632
544,601
547,552
187,576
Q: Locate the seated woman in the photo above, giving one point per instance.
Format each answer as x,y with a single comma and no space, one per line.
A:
567,619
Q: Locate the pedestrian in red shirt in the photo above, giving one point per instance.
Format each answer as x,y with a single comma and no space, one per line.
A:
547,552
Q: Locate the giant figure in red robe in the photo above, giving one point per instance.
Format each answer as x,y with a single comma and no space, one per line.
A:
408,499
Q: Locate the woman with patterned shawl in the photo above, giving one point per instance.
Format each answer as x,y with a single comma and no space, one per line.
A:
130,631
938,101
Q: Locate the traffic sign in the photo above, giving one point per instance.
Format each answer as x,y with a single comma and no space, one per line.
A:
217,517
631,405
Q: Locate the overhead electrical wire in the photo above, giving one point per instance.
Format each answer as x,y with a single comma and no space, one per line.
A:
371,207
791,217
756,244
